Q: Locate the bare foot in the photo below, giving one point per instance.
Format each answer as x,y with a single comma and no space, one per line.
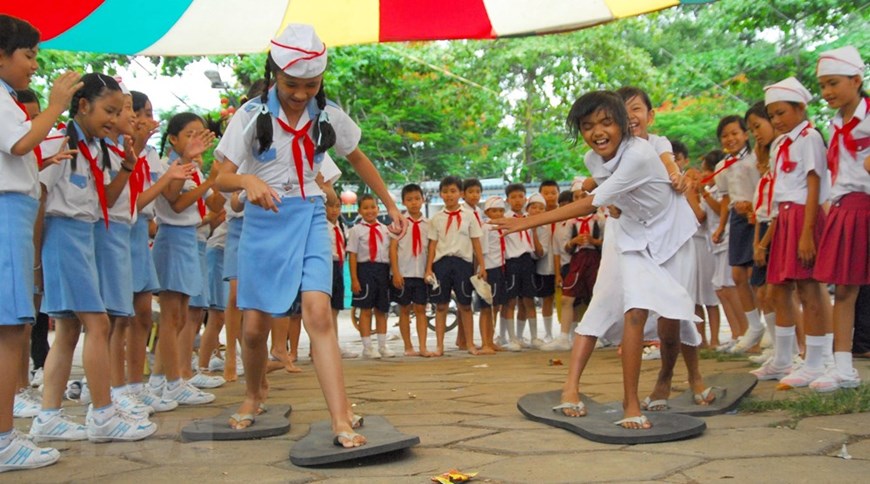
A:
294,357
290,367
244,417
497,347
438,352
411,352
462,346
487,350
273,366
425,353
230,373
473,350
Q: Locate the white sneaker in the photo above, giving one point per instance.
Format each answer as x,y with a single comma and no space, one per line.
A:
22,454
131,405
802,377
514,345
201,380
216,363
769,371
57,427
386,352
833,380
501,341
762,357
371,353
651,353
187,394
766,341
27,404
37,376
726,345
558,344
121,427
747,341
538,343
159,404
524,343
348,354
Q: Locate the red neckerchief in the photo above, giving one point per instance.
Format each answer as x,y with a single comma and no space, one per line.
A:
477,216
450,215
200,203
585,224
766,180
98,180
416,237
300,136
782,153
730,161
339,244
845,132
374,237
37,150
525,233
141,172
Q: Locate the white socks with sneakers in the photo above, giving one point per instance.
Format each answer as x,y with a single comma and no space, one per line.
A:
784,346
533,329
815,352
548,326
102,415
382,340
521,328
770,319
366,341
754,319
843,360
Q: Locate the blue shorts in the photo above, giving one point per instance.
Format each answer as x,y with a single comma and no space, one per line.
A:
283,253
740,237
17,216
520,277
115,267
495,279
218,288
144,274
336,300
201,300
231,248
414,291
70,276
453,274
759,273
374,281
545,285
176,258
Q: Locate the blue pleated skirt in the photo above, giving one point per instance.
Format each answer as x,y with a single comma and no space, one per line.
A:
70,276
231,248
144,274
17,216
115,267
201,300
176,259
218,288
281,254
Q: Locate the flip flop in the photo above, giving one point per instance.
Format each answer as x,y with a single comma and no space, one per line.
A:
654,405
349,436
640,420
357,421
727,388
579,407
241,417
273,423
701,398
262,408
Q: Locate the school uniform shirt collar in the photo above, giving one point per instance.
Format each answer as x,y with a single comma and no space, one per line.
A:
79,131
613,163
796,132
859,114
274,106
11,91
172,156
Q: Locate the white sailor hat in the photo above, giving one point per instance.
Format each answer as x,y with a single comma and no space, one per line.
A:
536,198
493,202
790,90
845,61
299,52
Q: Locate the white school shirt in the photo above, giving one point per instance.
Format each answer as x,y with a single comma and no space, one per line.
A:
544,263
409,265
18,174
358,243
72,193
120,211
155,171
332,239
276,166
740,179
218,237
476,212
762,201
808,154
490,244
163,209
654,217
851,175
518,243
712,222
457,242
661,144
560,239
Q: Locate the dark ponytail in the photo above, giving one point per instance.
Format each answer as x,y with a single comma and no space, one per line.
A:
176,124
94,86
324,133
264,119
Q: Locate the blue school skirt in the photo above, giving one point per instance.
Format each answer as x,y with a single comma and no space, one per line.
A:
144,274
17,216
283,253
176,259
231,248
218,288
201,300
70,276
115,267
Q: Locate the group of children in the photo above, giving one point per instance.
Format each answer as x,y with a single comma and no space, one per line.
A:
258,241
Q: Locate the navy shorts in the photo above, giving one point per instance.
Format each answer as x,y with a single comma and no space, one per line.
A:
759,274
545,285
520,277
413,292
495,278
374,281
453,274
336,300
740,236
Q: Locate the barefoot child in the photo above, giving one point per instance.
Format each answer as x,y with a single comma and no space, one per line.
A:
454,243
368,251
284,247
408,262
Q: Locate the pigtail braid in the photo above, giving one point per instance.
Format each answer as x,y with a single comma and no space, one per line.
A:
324,133
263,128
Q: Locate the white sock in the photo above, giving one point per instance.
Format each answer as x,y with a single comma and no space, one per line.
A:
6,438
47,413
382,340
511,329
770,319
367,342
815,352
118,392
102,415
564,336
156,380
548,326
521,328
502,327
533,329
828,350
784,346
844,362
172,385
755,321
